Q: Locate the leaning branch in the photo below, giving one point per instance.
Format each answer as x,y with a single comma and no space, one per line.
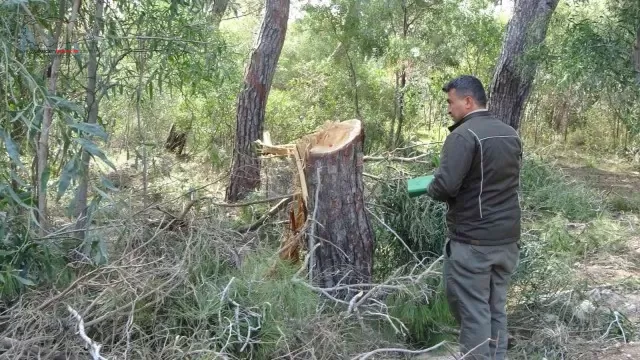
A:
94,347
398,350
415,159
279,206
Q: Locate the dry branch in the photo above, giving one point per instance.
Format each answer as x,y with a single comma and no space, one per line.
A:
94,348
415,159
398,350
279,206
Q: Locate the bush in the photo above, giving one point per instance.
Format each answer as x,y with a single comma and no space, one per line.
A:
545,190
426,318
419,222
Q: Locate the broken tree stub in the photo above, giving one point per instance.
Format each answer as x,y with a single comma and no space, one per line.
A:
339,224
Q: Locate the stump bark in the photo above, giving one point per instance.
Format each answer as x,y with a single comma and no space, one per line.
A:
176,141
335,204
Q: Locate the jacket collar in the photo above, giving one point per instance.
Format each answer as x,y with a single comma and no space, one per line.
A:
471,115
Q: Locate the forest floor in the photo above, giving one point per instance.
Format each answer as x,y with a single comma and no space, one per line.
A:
615,277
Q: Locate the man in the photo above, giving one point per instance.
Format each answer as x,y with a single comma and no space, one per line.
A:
479,178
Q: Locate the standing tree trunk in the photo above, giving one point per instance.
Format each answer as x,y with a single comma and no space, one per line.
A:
92,118
42,153
339,223
252,100
636,56
218,8
514,73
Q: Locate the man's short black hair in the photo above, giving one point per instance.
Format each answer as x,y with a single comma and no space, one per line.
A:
467,85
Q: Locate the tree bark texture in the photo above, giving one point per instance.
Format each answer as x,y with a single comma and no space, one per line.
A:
339,223
636,56
218,8
176,141
252,100
92,118
42,152
514,73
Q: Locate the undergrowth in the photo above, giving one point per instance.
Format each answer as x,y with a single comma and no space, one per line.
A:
205,291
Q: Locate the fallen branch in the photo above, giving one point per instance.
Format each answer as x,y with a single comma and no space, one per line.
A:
7,342
398,159
279,206
94,348
290,196
398,350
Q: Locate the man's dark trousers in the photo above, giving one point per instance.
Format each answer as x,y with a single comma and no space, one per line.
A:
476,281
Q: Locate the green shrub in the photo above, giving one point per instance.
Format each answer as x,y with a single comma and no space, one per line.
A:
426,318
419,222
545,190
627,203
26,262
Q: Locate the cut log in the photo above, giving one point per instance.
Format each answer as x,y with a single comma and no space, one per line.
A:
339,223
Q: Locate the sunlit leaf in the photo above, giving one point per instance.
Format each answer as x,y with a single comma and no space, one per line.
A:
68,173
23,281
91,129
12,149
93,149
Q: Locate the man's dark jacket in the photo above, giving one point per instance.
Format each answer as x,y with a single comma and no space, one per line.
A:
479,178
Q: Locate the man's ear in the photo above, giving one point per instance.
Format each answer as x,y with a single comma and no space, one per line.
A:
468,101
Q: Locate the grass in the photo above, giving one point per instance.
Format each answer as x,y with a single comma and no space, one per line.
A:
205,290
545,191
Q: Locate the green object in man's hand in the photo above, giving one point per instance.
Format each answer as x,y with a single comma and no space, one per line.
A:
419,185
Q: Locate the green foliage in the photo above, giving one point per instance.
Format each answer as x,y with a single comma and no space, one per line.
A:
26,262
419,222
426,318
545,190
625,203
259,298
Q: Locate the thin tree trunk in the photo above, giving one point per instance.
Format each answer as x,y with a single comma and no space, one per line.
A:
340,225
218,8
636,56
252,100
92,118
354,82
514,73
403,78
392,136
141,137
47,118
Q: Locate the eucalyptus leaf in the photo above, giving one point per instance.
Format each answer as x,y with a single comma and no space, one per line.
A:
12,149
93,149
91,129
68,173
23,281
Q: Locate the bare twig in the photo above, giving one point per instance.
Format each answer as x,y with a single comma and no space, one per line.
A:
279,206
416,159
94,348
398,350
394,233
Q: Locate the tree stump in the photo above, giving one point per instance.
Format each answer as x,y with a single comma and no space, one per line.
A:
335,205
175,141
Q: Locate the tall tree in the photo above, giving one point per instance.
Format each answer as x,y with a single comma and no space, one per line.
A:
43,140
636,56
514,73
216,12
92,118
252,100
